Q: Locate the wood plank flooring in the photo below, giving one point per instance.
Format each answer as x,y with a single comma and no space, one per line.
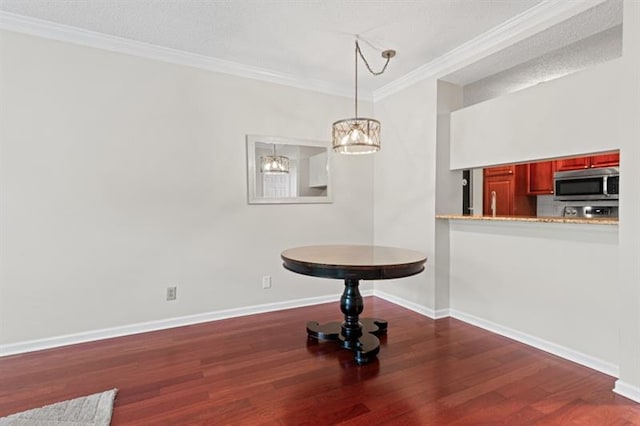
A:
261,369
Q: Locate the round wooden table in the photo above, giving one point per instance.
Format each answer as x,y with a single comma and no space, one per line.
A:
353,263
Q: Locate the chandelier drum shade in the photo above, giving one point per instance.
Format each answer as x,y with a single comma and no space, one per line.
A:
359,135
274,164
356,136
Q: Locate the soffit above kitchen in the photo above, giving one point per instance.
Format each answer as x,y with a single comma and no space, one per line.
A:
309,41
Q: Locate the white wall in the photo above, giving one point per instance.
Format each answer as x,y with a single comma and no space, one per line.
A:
557,282
629,248
526,277
121,176
543,121
404,190
448,191
590,111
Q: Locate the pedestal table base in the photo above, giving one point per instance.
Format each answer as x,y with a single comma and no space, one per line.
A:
358,335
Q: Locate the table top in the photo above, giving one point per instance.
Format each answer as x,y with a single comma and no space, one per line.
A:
354,261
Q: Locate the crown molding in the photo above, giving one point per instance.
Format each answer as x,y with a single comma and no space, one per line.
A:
533,20
51,30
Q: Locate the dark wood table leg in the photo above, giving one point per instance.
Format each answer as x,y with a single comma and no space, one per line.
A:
358,335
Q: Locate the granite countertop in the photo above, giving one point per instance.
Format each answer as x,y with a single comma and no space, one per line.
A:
582,220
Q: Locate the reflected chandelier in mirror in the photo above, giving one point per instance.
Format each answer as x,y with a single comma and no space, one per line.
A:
287,171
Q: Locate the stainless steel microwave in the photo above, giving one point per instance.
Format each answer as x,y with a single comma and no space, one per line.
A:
590,184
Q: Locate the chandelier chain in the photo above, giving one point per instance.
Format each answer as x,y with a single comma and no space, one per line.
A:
358,52
367,63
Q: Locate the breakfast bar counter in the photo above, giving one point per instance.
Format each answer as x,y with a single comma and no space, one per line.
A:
539,219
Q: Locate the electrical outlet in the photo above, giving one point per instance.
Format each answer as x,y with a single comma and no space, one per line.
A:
266,282
172,293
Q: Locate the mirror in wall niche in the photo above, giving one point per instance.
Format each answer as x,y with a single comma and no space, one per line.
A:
287,171
585,186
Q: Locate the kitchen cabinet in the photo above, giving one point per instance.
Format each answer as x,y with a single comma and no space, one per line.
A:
509,183
572,164
499,170
502,186
606,160
578,163
318,176
540,178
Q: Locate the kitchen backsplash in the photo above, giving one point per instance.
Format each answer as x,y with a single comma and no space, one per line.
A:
548,207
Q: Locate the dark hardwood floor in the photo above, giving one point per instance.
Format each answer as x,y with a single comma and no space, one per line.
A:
260,369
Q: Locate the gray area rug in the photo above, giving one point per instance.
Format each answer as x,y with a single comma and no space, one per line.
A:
92,410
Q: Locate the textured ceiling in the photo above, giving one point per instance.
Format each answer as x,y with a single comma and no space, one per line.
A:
601,47
586,39
582,26
313,39
308,39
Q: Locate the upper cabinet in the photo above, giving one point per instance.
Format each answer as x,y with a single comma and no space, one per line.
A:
318,175
602,160
515,187
540,177
606,160
573,164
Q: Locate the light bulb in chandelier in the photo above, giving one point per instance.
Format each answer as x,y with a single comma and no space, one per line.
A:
357,136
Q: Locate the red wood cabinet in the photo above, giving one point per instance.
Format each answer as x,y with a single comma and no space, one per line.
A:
578,163
517,186
606,160
502,186
500,170
540,178
510,191
572,164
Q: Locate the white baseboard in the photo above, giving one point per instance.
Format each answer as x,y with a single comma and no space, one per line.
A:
107,333
422,310
621,388
538,343
627,390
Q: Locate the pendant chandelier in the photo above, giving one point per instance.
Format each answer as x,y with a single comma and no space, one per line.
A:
359,135
274,164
